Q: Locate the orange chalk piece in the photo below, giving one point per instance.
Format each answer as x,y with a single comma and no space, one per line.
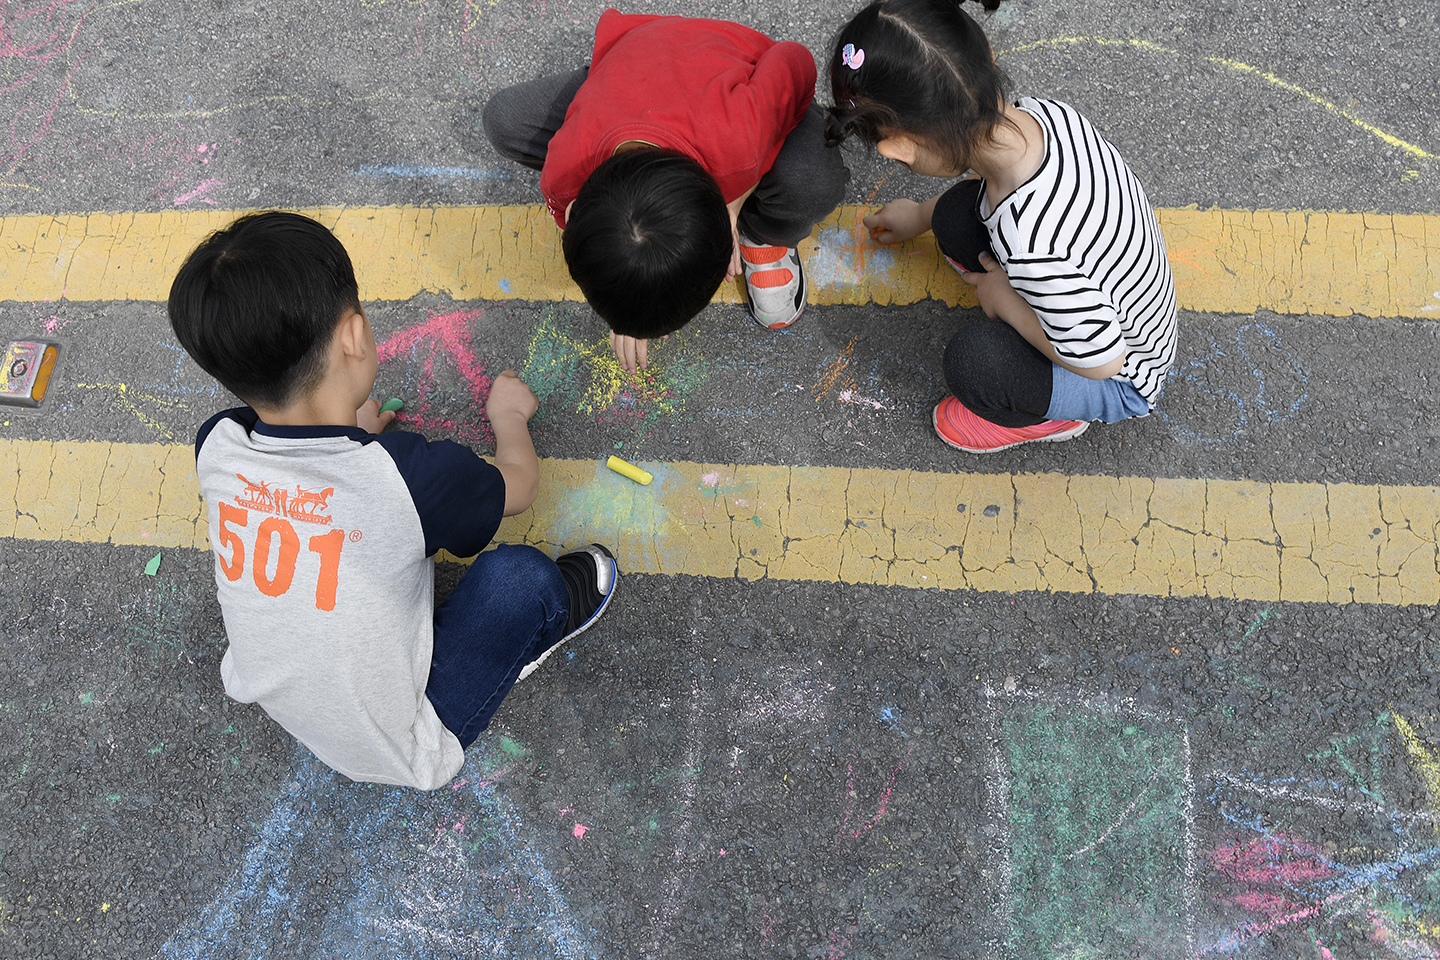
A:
629,470
25,372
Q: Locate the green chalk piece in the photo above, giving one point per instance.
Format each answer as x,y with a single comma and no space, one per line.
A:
153,567
393,405
620,445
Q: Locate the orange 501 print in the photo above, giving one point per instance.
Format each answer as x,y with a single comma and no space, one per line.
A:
277,533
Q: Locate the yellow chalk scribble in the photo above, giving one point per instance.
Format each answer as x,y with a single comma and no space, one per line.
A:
1237,67
1422,759
127,400
589,379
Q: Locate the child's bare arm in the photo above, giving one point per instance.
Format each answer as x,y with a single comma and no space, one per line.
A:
510,407
901,220
733,208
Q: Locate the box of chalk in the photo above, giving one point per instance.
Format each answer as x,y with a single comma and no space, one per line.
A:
26,372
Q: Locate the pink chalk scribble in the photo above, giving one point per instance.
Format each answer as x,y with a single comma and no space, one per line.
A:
767,925
29,41
189,158
1268,869
851,396
443,831
199,192
846,832
1278,860
441,336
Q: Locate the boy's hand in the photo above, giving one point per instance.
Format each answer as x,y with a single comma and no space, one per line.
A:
630,351
992,288
510,397
370,419
899,220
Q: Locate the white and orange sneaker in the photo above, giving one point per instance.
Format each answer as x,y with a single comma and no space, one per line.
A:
964,430
774,282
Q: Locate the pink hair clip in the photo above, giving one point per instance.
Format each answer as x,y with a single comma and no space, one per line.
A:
851,57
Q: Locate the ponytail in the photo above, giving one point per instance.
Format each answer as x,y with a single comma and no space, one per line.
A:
917,67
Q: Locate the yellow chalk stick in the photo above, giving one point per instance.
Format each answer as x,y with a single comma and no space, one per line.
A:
628,470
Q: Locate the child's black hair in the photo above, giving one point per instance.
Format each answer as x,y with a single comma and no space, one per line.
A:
927,71
648,241
257,303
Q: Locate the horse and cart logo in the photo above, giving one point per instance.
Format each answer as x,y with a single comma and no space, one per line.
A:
305,506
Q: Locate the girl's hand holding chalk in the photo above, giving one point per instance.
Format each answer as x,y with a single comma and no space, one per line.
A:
628,470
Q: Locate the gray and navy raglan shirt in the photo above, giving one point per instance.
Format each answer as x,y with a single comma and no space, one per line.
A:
324,539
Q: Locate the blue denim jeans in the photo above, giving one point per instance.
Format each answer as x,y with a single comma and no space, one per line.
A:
508,608
999,376
1073,397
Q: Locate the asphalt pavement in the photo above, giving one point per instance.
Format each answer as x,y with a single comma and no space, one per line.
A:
727,766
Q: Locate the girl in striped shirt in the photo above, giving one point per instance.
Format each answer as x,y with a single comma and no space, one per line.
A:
1056,235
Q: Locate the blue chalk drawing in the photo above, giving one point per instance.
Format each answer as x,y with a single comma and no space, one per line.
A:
1251,402
611,508
891,716
429,173
450,873
835,264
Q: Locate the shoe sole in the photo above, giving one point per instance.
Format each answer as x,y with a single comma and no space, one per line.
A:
804,300
534,665
1070,434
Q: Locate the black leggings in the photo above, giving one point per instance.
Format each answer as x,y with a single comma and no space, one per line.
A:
993,370
988,366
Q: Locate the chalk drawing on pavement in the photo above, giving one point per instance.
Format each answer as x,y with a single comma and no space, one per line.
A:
583,376
1234,66
447,873
1239,393
433,400
1103,841
1092,805
613,510
1326,861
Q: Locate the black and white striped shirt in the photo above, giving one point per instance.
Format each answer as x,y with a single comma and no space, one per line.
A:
1082,246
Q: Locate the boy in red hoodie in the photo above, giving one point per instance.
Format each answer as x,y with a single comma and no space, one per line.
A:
687,152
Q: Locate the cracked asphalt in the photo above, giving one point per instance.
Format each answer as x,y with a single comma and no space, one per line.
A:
768,767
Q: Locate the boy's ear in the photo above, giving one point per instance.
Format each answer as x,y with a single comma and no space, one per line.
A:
900,147
351,335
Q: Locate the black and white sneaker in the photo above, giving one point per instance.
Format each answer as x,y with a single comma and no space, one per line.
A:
590,576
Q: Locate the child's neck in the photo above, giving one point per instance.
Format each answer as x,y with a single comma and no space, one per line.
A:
317,410
1012,157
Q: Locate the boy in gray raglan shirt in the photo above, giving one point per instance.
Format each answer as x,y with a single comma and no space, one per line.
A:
324,530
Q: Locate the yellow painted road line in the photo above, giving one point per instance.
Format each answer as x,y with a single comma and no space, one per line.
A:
991,532
1225,261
